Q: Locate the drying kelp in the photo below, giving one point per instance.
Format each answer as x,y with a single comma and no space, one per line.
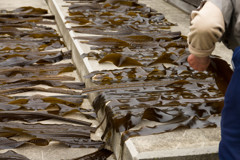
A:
39,134
160,86
142,52
169,102
192,123
9,143
103,153
122,25
51,83
41,89
12,155
26,10
35,116
34,15
218,72
30,59
26,42
120,60
59,105
179,105
159,72
21,79
113,14
36,71
21,31
29,51
222,72
175,97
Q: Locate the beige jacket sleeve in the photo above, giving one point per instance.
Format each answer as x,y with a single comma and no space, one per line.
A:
207,27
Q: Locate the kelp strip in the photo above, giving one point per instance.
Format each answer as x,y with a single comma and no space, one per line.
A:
26,10
21,79
69,85
12,15
35,116
146,74
42,134
103,154
30,71
190,123
9,144
58,105
12,155
28,89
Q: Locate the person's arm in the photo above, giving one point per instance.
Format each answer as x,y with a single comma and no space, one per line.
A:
207,27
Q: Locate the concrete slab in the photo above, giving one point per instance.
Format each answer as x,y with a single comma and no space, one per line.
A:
194,144
180,144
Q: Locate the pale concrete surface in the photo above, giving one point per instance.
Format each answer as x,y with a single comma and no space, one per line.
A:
194,144
184,144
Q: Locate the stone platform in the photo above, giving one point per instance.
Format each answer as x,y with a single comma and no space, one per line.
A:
194,144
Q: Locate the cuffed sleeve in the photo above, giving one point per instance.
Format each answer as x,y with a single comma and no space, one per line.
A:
207,27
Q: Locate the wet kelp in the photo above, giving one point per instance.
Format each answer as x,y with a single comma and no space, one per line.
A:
23,35
12,155
29,50
175,96
55,105
172,102
141,74
160,86
128,33
143,53
103,153
41,135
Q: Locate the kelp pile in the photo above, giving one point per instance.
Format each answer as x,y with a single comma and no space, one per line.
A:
12,155
174,97
126,33
30,48
183,103
159,85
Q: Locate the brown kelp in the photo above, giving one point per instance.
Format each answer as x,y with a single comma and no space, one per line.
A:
30,48
160,86
122,25
12,155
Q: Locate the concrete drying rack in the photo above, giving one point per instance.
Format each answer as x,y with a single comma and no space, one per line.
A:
194,144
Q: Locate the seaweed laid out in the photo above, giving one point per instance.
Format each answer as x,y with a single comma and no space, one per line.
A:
33,58
12,155
158,85
125,33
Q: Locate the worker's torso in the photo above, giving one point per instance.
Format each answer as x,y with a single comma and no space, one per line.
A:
231,14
